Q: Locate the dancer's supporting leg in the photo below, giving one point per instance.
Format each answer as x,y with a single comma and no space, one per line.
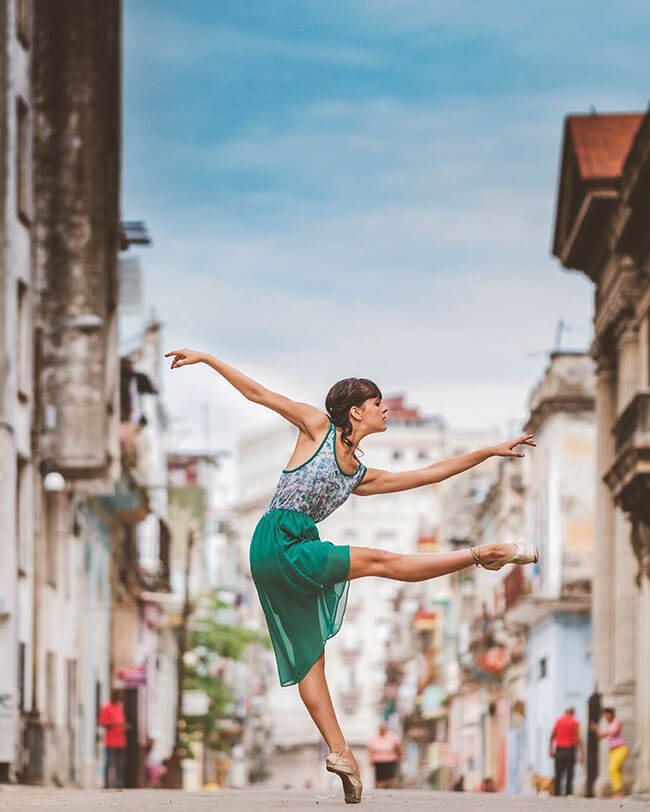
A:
419,566
316,696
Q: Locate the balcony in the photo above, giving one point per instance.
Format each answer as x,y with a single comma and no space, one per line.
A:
629,476
482,632
532,609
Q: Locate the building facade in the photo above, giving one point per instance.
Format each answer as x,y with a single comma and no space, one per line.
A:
602,223
60,78
485,695
560,503
522,648
18,476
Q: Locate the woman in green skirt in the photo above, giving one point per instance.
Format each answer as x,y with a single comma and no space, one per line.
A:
302,581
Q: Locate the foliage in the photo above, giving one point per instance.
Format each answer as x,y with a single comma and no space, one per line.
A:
211,640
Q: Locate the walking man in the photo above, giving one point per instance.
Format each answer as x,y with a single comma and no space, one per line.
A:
111,718
565,738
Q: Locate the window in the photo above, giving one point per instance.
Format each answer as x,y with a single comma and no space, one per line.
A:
21,478
50,687
440,729
71,691
23,161
98,700
21,676
543,667
22,347
51,536
24,21
397,455
423,455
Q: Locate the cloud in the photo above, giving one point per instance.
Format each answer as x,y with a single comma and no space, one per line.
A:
192,43
353,204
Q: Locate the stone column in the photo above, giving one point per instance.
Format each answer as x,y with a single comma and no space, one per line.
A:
643,380
602,601
625,566
628,368
603,580
642,782
625,606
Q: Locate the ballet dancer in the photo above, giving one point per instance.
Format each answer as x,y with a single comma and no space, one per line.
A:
302,581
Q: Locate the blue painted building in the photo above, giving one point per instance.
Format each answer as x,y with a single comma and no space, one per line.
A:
553,606
559,676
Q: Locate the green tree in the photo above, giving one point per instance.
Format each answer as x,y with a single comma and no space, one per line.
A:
210,639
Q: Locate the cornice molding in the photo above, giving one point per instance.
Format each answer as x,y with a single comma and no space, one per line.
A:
558,404
618,302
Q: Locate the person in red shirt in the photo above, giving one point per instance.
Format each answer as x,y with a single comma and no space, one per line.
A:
111,718
565,738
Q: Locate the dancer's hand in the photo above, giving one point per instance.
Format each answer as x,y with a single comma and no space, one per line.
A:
506,449
184,357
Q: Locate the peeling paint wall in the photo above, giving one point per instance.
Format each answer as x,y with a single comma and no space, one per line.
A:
77,159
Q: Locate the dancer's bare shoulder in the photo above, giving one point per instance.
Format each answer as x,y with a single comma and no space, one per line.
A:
308,419
310,438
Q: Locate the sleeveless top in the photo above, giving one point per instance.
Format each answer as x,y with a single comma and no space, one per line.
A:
615,734
318,486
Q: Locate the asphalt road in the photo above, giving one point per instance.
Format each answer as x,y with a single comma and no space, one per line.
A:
27,799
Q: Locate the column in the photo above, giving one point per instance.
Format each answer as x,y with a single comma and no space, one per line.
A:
642,782
603,582
602,599
625,566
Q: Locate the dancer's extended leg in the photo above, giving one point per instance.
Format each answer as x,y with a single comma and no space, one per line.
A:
316,696
419,566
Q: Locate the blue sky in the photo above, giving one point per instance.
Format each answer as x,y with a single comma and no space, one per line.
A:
364,188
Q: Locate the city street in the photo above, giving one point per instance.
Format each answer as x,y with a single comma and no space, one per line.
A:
211,555
27,799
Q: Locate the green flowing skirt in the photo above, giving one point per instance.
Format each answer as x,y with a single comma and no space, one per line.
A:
302,583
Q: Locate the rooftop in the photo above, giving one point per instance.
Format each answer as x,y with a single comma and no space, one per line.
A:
602,142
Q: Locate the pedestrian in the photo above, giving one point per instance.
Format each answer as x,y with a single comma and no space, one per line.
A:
385,754
111,717
613,731
302,582
565,740
488,785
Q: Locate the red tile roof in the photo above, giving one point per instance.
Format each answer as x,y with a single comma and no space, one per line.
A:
602,142
398,410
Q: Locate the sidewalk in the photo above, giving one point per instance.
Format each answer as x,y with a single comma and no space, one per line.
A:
30,798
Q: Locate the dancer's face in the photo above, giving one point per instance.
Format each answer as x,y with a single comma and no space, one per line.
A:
374,414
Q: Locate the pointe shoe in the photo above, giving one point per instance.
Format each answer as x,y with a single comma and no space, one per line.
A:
524,554
345,766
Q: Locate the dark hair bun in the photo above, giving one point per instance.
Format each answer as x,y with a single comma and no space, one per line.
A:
343,396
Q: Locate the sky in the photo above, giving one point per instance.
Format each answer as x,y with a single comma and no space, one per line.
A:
363,188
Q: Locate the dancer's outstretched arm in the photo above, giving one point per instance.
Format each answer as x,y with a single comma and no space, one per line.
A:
307,418
378,481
